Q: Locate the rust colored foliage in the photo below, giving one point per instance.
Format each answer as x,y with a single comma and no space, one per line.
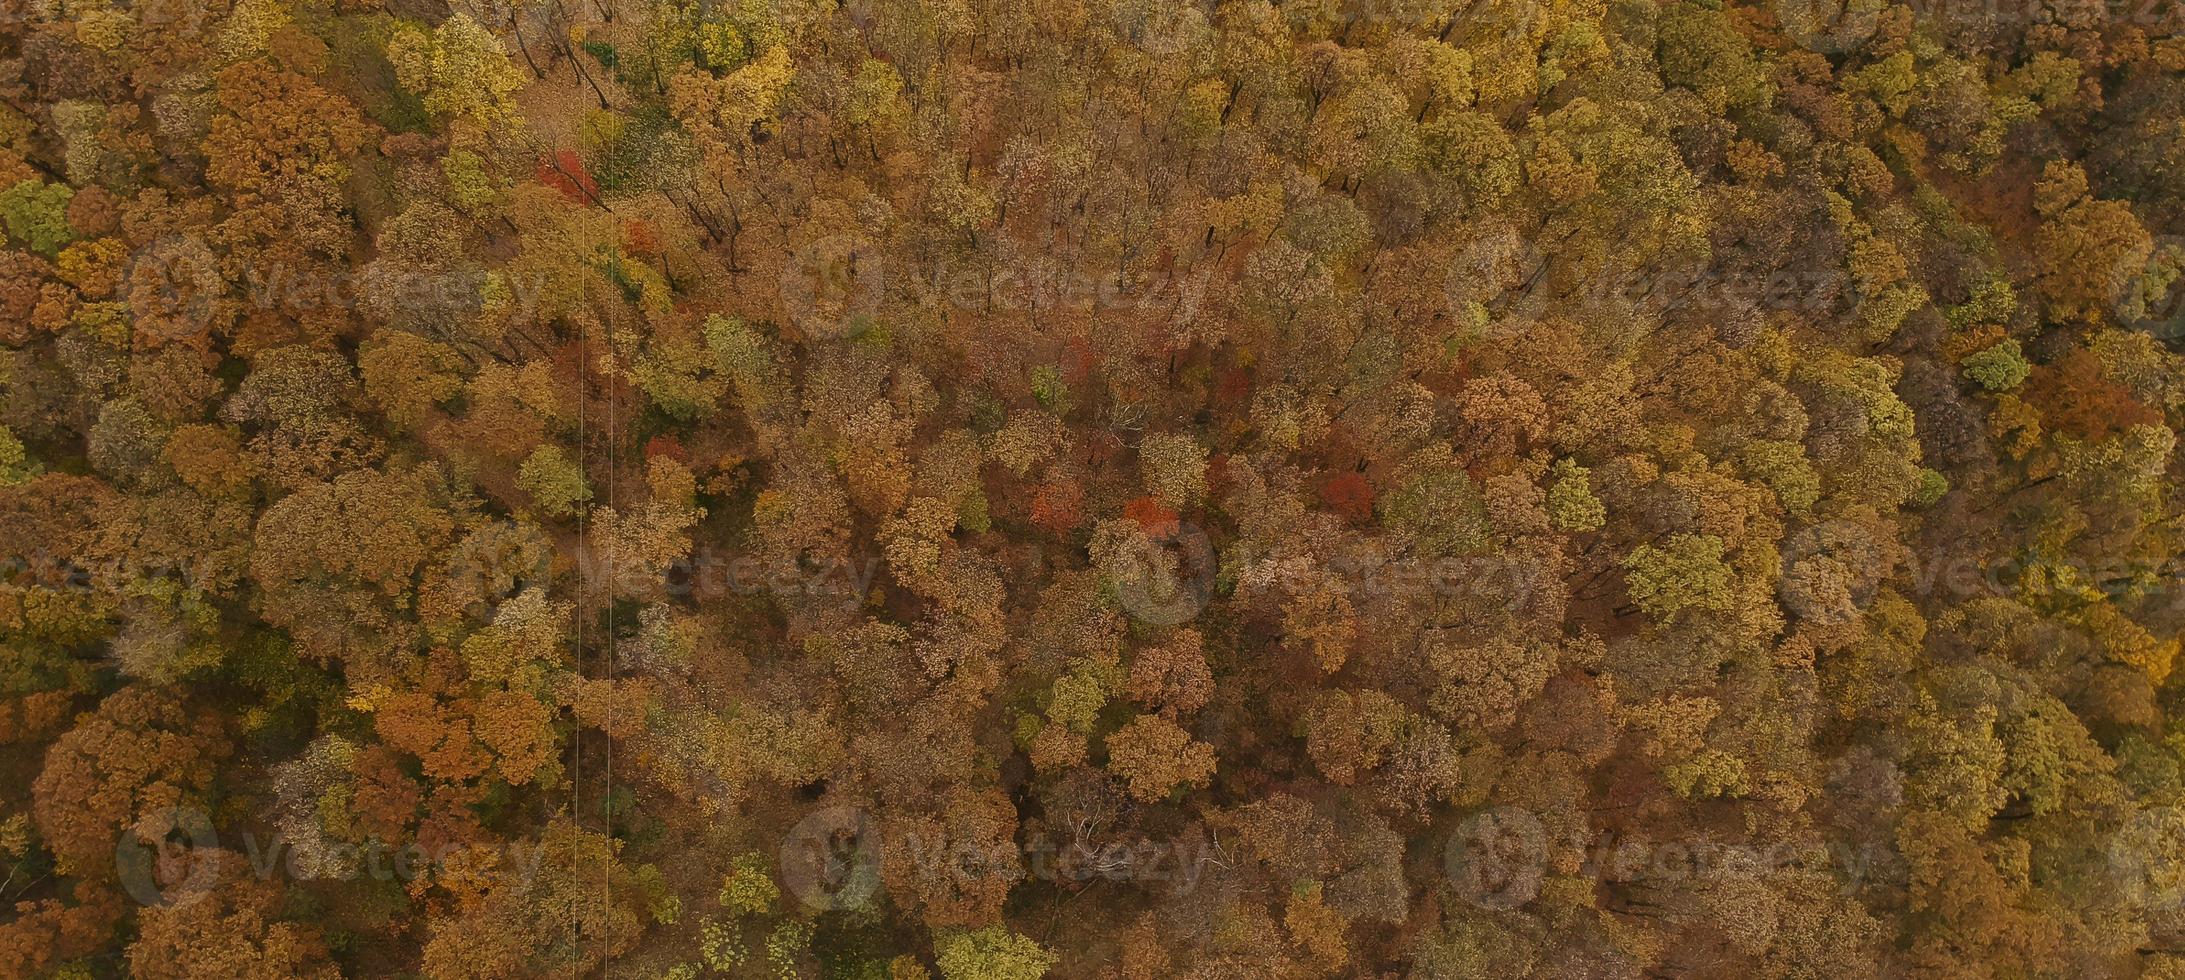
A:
1090,489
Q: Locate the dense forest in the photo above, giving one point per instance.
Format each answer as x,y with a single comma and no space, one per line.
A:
993,489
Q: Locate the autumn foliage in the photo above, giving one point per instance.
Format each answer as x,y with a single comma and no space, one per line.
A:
1094,489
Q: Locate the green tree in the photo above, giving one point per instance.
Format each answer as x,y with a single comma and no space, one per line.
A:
555,483
36,214
1998,368
1687,572
991,953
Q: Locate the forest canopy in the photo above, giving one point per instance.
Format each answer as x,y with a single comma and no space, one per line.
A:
990,490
